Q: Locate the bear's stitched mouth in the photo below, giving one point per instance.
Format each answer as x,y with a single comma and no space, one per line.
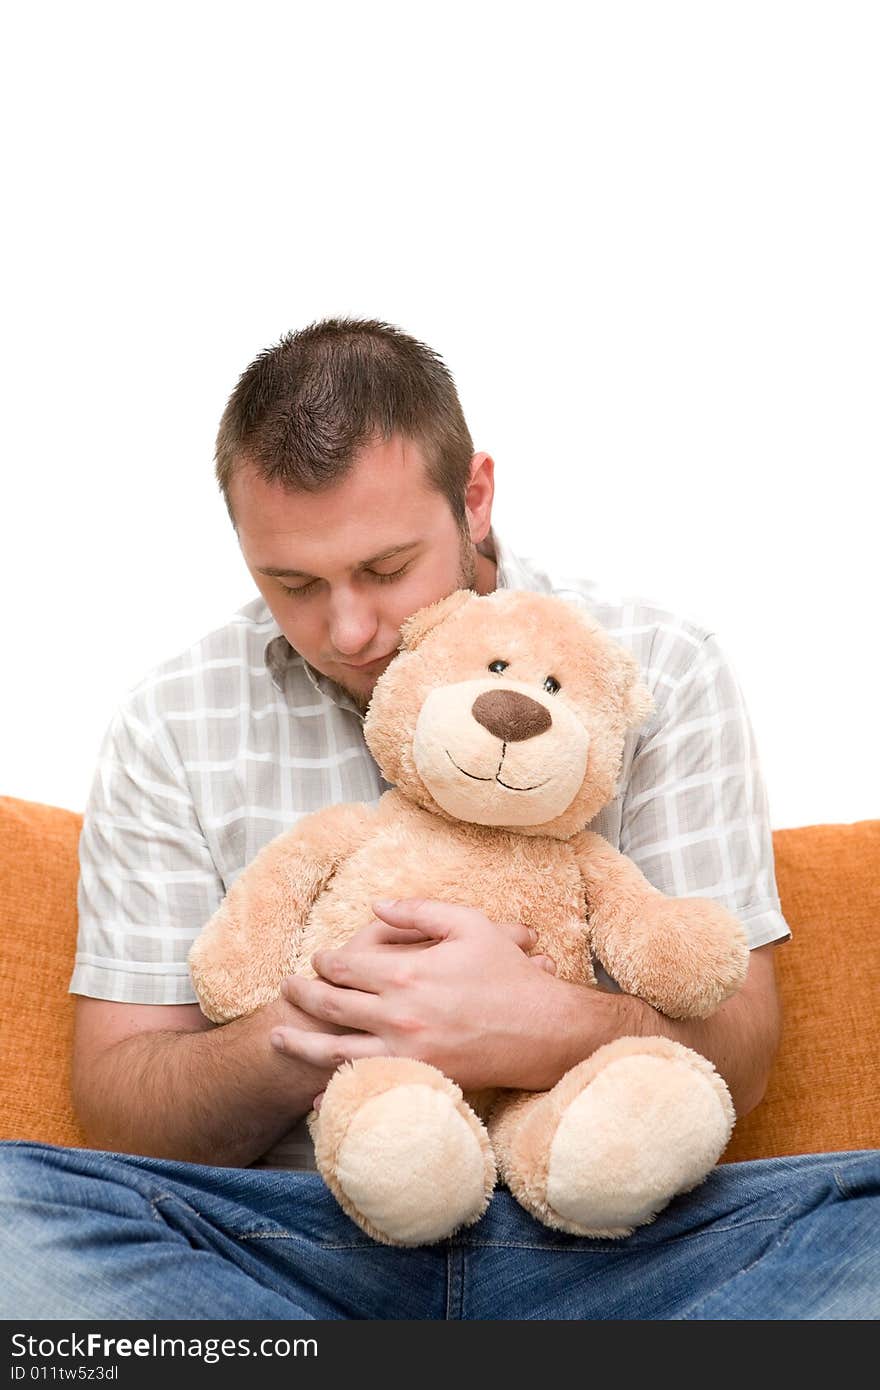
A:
495,777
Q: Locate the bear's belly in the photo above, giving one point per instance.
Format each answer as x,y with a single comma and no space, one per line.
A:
510,877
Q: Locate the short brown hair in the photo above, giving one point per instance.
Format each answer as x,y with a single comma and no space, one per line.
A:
304,408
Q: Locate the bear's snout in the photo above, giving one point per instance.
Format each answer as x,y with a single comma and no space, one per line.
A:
510,715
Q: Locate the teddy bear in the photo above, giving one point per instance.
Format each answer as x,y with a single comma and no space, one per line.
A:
500,726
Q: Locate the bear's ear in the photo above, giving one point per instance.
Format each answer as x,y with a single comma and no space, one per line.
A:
419,624
637,705
636,700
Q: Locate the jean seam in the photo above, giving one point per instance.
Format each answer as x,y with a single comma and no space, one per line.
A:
470,1244
466,1243
454,1281
771,1249
842,1186
306,1240
266,1279
623,1245
173,1197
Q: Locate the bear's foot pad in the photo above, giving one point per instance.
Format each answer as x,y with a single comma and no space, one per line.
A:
411,1166
645,1129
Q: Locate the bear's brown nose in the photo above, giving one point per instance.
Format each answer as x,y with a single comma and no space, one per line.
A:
510,716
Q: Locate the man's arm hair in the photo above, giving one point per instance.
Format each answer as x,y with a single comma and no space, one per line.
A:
162,1081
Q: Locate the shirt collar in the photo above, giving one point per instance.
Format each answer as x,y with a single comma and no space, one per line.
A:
512,572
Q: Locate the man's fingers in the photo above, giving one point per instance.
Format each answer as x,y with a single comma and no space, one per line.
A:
439,920
290,991
546,963
387,933
524,937
435,919
325,1050
347,1007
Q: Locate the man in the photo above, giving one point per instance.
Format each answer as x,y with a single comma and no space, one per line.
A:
357,497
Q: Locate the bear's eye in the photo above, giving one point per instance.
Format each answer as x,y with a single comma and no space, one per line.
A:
498,666
551,685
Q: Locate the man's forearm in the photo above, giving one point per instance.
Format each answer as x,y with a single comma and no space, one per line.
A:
223,1096
736,1038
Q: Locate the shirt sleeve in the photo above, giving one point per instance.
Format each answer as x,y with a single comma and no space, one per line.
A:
147,881
694,815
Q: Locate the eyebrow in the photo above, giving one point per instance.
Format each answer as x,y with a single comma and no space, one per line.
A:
274,573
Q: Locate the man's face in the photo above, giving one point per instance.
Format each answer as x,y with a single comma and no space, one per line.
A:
344,607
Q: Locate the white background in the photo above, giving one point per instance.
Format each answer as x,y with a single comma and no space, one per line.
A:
644,237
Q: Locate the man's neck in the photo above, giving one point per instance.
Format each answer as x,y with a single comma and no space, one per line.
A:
487,568
487,575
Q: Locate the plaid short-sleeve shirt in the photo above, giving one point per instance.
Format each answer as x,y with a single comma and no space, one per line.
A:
220,749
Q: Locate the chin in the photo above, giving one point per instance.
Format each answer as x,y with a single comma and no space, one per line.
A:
359,688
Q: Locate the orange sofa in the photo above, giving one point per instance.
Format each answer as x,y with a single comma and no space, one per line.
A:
822,1096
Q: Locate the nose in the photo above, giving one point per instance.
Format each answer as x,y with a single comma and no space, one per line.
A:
510,715
352,625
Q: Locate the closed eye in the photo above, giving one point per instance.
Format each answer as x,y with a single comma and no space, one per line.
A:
380,579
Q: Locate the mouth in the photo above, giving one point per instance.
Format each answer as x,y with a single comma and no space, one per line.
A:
367,665
495,777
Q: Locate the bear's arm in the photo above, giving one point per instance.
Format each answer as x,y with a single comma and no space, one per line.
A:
685,956
251,943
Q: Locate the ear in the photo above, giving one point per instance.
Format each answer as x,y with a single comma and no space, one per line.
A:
419,624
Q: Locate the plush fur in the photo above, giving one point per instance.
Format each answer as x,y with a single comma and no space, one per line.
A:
496,774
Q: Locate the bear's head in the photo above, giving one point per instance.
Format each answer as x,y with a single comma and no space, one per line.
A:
507,709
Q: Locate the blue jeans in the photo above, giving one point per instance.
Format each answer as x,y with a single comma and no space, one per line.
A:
88,1235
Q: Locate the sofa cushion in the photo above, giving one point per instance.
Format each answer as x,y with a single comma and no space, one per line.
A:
822,1095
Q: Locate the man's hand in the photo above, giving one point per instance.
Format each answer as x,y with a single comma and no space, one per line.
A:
434,981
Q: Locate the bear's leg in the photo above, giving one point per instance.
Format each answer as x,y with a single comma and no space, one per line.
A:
401,1150
616,1138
